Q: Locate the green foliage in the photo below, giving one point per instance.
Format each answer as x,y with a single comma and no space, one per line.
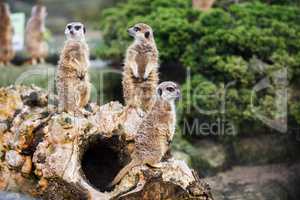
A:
226,3
295,111
228,52
170,21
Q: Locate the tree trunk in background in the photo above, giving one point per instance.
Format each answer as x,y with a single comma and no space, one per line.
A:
60,156
203,5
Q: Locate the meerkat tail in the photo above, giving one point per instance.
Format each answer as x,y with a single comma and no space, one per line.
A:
124,171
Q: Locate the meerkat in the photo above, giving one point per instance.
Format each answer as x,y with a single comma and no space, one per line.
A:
156,131
72,81
36,45
140,75
6,35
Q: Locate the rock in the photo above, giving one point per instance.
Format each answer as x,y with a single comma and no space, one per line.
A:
3,127
14,159
13,196
179,155
208,157
10,102
264,149
27,166
106,121
76,157
269,182
269,191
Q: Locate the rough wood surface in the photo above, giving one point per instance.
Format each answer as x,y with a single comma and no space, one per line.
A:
59,156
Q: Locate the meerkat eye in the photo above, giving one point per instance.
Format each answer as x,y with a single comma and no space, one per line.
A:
69,27
77,28
159,91
170,89
147,34
136,29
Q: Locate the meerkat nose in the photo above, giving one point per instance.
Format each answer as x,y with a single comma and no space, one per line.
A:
178,95
72,32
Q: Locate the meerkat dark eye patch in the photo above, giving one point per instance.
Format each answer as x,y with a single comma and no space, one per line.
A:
69,27
147,34
136,29
159,91
77,28
170,89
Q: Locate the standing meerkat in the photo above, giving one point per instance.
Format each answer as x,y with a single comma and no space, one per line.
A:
6,35
36,45
140,75
72,81
156,131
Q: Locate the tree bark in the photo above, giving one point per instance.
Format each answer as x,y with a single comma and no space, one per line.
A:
60,156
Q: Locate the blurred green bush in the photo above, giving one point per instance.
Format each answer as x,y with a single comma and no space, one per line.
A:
228,52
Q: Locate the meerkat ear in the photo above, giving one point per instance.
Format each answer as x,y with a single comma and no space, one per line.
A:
159,91
147,34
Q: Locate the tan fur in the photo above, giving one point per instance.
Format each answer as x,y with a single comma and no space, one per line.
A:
72,82
203,5
6,35
36,45
154,135
139,87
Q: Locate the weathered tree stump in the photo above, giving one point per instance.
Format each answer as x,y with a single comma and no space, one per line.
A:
60,156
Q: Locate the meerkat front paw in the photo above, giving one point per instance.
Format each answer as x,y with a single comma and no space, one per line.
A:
85,112
81,74
147,72
156,165
135,71
169,142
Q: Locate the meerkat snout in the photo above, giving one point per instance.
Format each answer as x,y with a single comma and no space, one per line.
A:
168,91
75,31
131,32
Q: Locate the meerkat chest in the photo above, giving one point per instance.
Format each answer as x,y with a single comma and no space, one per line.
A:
83,52
172,122
79,53
141,60
167,123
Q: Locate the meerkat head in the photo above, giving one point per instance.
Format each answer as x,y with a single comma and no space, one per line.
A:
141,32
39,11
75,31
168,91
4,9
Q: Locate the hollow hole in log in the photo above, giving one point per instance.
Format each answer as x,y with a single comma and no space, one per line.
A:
102,160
